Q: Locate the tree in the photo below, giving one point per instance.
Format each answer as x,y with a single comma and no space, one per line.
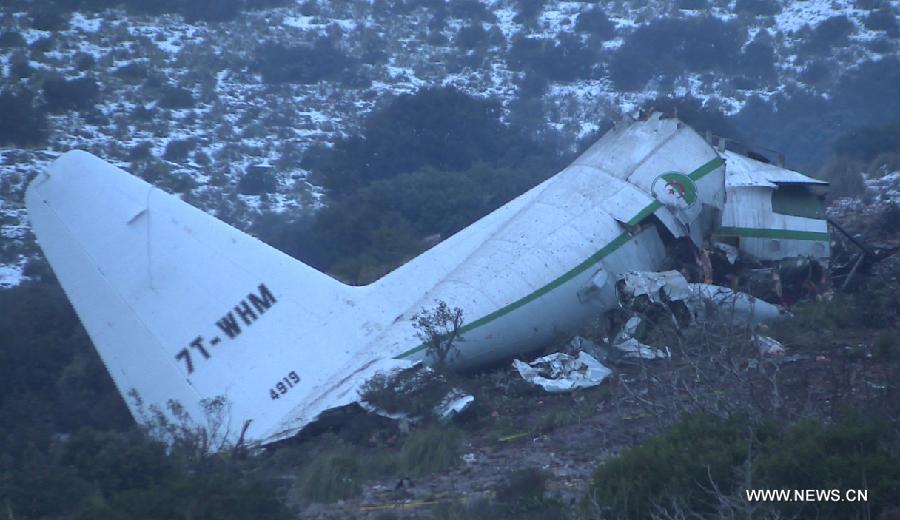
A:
438,127
21,123
439,328
305,64
670,47
62,95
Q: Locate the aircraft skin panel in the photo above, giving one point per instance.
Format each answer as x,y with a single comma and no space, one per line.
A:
682,151
554,310
744,171
101,308
749,215
768,235
625,146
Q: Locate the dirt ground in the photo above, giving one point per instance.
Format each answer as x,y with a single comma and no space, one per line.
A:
569,435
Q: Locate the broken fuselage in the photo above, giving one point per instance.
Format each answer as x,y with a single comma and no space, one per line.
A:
619,207
185,309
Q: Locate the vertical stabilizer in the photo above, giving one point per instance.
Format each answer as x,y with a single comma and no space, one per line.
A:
184,308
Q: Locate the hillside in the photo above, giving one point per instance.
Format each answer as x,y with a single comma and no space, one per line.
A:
195,106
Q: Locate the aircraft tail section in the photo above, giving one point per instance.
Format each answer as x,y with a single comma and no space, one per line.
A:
184,308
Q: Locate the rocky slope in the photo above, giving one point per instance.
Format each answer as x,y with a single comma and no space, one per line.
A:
192,106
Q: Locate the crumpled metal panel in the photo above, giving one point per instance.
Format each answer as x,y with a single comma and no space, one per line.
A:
744,171
563,373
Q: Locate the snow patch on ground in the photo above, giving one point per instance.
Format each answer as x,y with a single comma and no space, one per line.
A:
795,15
79,22
11,274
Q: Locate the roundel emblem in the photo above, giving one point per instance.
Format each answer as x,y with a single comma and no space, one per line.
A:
675,190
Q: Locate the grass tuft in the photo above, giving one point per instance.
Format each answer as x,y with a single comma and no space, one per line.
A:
432,449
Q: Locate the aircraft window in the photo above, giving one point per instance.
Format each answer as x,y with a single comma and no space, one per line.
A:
798,201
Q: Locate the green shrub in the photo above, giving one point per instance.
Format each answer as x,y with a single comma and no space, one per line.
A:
431,450
523,495
757,7
564,58
703,459
845,176
332,476
201,494
884,164
21,123
669,47
11,39
211,10
859,452
758,61
692,5
471,37
84,61
870,141
176,97
471,10
887,344
133,72
883,19
596,23
140,152
257,180
49,19
177,150
830,33
440,128
305,64
816,73
528,10
62,95
888,221
414,392
675,464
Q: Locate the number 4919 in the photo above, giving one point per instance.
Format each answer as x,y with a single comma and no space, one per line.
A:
284,385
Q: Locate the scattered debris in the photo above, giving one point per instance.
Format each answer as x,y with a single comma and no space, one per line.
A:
581,344
659,287
730,252
709,302
411,394
633,348
453,404
704,301
768,346
396,416
515,436
562,372
404,483
629,346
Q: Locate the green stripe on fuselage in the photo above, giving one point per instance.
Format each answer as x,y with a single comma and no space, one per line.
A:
706,169
644,213
785,234
608,249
